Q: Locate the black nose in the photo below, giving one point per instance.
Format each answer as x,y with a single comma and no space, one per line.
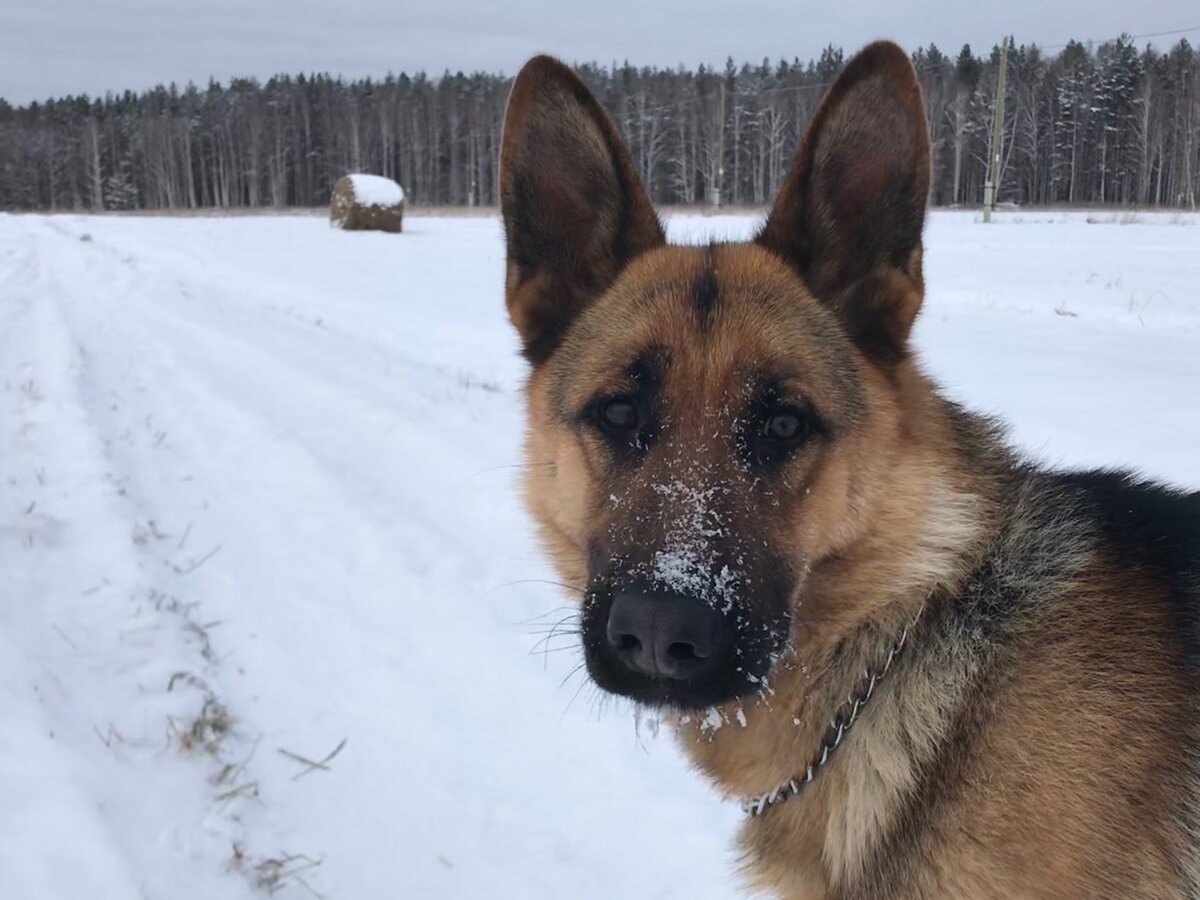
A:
665,635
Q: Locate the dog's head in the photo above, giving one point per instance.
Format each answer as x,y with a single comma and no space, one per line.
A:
707,423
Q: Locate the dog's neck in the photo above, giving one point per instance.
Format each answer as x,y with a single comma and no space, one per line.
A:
840,726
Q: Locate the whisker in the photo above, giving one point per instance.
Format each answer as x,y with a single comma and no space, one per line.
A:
547,643
598,701
571,673
637,732
568,624
567,627
563,626
570,610
543,645
582,685
547,650
568,587
572,621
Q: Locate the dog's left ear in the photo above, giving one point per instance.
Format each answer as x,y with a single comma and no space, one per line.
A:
575,213
849,215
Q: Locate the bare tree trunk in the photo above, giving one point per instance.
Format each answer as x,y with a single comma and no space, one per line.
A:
97,177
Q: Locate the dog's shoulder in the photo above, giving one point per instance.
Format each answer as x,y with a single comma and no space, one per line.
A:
1069,538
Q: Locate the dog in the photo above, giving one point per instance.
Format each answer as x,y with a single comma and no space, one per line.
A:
926,667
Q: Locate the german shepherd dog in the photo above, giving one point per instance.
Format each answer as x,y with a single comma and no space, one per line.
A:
938,670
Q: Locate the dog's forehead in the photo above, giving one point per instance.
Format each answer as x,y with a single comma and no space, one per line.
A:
712,317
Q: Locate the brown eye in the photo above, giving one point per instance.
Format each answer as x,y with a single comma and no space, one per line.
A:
786,426
619,414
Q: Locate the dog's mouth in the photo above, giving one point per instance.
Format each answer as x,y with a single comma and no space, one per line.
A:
666,649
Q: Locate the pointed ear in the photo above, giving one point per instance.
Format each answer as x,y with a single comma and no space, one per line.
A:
849,215
575,213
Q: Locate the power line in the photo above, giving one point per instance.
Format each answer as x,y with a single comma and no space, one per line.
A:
1132,37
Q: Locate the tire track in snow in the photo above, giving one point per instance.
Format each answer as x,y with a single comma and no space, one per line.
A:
89,656
141,402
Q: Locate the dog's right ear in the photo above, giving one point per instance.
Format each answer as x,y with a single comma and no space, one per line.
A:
575,213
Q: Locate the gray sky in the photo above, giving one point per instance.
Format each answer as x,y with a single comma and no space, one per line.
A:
55,47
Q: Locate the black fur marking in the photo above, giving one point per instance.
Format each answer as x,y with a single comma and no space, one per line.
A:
1154,529
706,294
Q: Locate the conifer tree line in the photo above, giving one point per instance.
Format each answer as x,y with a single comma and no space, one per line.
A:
1107,124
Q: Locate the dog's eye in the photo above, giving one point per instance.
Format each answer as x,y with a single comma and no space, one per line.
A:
619,414
786,426
780,431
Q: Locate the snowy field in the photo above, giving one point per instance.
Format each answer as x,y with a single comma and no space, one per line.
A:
257,506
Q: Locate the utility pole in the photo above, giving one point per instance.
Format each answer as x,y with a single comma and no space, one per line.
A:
719,184
991,187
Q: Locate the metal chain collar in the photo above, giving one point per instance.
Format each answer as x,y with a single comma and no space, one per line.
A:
843,720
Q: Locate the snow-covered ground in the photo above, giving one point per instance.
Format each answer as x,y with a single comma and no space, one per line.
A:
257,504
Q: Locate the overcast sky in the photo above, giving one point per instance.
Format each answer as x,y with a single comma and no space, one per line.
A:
56,47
